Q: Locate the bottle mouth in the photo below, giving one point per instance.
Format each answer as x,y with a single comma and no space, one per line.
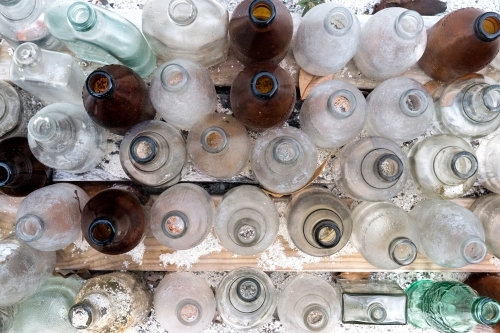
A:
213,139
413,103
99,84
464,164
286,150
264,85
27,55
175,224
189,312
338,21
102,231
173,77
28,8
487,26
389,167
403,251
81,16
182,12
262,13
29,228
341,104
474,250
246,232
491,98
143,149
80,316
248,290
6,173
42,128
486,311
327,234
377,312
315,317
409,24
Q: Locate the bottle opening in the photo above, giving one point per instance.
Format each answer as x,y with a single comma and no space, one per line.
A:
81,16
99,84
189,312
102,231
42,128
491,25
246,233
143,149
29,228
80,316
327,233
338,21
262,12
413,102
286,150
175,224
213,139
173,76
403,251
6,173
27,54
315,318
491,98
342,103
264,85
389,167
182,12
464,164
487,311
248,290
474,250
377,312
409,24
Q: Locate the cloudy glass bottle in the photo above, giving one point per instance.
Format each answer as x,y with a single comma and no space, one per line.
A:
488,172
487,210
11,111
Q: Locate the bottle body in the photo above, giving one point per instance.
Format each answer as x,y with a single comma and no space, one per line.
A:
488,172
11,110
487,210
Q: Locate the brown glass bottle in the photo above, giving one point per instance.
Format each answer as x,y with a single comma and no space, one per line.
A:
462,42
260,31
116,98
488,285
20,172
262,96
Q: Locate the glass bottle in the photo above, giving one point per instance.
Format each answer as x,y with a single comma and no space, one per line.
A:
111,303
488,173
373,302
64,137
333,114
326,27
392,41
96,34
182,216
451,235
11,111
443,166
399,109
20,172
219,145
309,304
262,96
246,298
184,303
114,221
153,153
488,285
7,314
194,30
247,221
50,76
372,169
487,209
182,92
283,159
449,306
48,219
463,41
318,222
116,98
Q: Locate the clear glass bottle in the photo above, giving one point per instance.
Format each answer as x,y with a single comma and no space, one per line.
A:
399,109
451,235
372,169
184,303
187,29
487,209
96,34
111,303
392,41
219,145
182,216
48,219
333,114
52,77
488,173
309,304
153,153
64,137
443,166
318,222
247,220
11,111
283,159
373,302
326,27
182,92
246,298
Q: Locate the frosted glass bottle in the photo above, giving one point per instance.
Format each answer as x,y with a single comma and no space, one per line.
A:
309,304
182,92
451,235
488,173
111,303
247,220
48,219
96,34
219,145
399,109
391,41
326,39
182,216
153,153
195,30
52,77
333,114
184,303
11,111
23,270
397,237
246,298
487,209
372,169
283,159
443,166
318,222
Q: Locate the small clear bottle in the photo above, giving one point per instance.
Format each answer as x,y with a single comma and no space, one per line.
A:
488,173
372,169
451,235
247,220
333,114
309,304
52,77
153,153
182,216
318,222
11,111
443,166
487,209
246,298
184,303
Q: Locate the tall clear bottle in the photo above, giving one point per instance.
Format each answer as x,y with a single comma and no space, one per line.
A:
488,173
487,209
11,111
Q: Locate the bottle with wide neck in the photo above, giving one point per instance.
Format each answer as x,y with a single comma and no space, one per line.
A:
11,111
487,209
488,173
486,284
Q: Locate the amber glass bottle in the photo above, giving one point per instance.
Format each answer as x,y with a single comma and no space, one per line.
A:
262,96
260,31
488,285
462,42
20,172
117,98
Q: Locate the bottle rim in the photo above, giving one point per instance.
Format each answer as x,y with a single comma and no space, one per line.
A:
338,101
180,18
146,145
81,16
473,250
108,234
409,24
410,246
185,313
9,3
485,21
173,77
176,231
381,169
29,228
100,84
269,13
254,295
319,324
419,102
27,55
473,167
486,304
77,310
338,21
318,232
260,85
213,139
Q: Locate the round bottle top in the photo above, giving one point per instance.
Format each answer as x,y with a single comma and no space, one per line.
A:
487,26
10,108
27,55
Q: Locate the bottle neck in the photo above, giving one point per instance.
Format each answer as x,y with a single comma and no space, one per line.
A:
174,77
341,104
315,317
16,10
473,250
84,315
143,149
30,228
338,21
100,84
189,312
486,311
82,16
409,24
487,26
213,139
403,251
54,131
246,225
286,150
262,13
377,312
323,229
381,168
481,102
182,12
264,85
413,103
175,224
28,56
454,166
102,231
